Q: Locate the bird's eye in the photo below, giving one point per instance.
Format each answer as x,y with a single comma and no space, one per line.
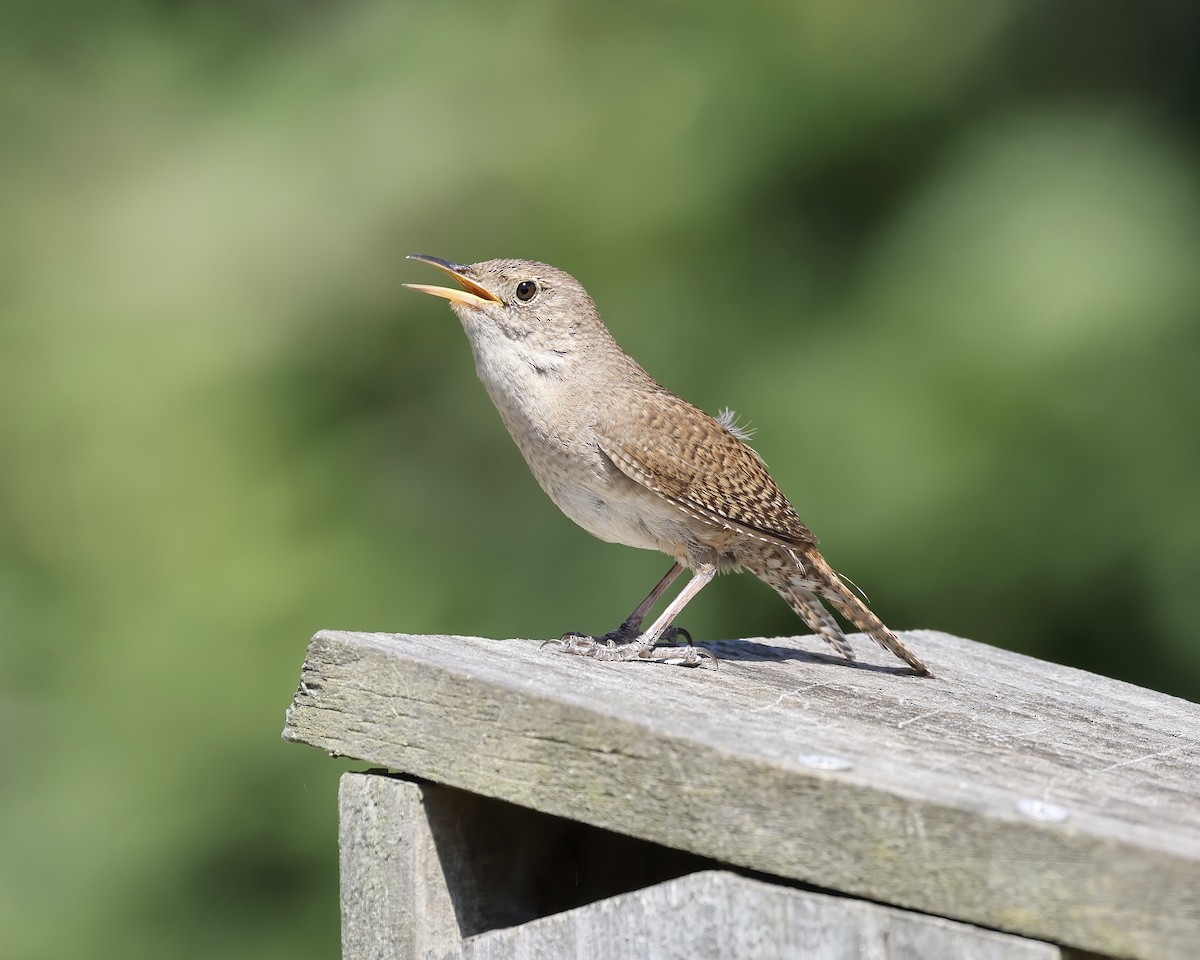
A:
526,290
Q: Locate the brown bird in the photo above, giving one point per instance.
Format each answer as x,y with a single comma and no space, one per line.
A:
632,463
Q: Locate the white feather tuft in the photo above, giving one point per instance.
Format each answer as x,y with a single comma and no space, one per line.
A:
727,418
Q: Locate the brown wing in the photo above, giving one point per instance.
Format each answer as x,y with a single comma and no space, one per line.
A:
680,452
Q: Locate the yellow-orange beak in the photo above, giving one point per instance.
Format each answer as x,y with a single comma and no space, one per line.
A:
471,294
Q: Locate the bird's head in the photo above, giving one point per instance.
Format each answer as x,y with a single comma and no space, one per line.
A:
523,300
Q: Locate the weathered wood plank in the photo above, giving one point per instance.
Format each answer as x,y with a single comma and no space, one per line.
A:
1008,792
722,915
395,899
412,862
424,865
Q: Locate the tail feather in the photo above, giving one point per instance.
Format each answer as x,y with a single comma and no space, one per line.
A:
819,620
805,579
858,613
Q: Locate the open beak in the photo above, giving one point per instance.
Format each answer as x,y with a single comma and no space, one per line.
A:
471,294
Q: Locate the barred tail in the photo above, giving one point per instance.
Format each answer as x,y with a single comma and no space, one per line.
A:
819,620
804,579
853,609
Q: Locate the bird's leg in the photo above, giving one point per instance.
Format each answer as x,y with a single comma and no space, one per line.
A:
665,623
632,626
643,648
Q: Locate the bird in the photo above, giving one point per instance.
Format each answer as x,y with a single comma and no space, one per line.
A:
634,464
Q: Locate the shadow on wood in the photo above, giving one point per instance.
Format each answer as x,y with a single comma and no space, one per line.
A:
506,864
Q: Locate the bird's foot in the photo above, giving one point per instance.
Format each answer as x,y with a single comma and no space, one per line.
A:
627,631
603,648
682,656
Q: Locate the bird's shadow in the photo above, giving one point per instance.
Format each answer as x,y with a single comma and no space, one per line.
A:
751,651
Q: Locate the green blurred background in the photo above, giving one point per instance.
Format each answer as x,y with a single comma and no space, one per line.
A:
944,257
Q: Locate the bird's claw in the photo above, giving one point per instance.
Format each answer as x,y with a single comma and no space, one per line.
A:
579,644
674,633
683,656
688,656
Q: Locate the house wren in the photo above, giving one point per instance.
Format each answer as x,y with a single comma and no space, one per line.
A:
632,463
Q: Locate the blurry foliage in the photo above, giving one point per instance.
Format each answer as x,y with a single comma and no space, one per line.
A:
943,257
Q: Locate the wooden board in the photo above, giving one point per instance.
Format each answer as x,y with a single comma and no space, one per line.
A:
724,916
1007,792
417,883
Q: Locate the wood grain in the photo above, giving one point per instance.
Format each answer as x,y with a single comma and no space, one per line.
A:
730,917
421,880
1008,792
